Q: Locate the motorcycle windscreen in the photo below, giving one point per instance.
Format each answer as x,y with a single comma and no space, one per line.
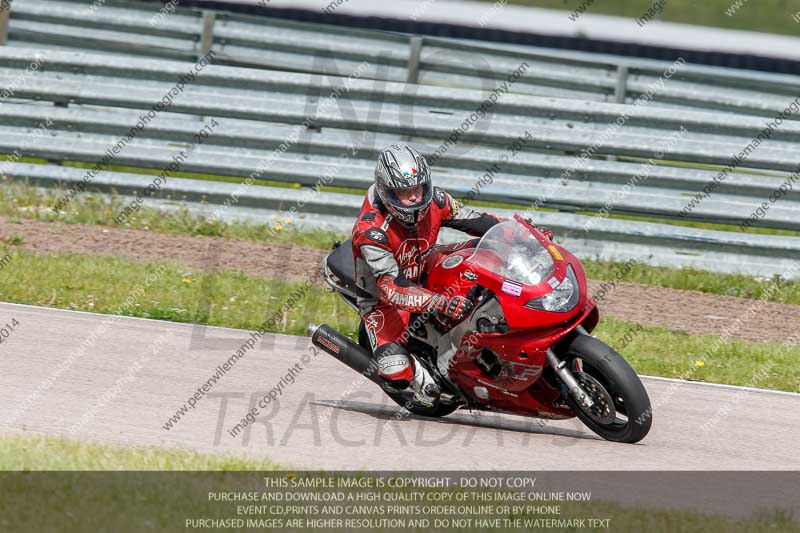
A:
511,250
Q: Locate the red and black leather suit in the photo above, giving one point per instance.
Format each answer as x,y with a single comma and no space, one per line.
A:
388,262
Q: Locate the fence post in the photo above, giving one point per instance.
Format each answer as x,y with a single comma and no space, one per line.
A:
5,11
622,84
207,39
620,91
414,49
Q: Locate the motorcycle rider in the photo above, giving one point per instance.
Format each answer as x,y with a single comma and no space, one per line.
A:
398,224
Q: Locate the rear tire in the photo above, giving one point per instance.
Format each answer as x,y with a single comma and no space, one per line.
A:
606,368
403,398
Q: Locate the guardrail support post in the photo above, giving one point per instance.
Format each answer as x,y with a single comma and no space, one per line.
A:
414,50
5,11
622,84
207,39
620,91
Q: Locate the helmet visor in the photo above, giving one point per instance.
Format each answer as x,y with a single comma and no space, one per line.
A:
410,198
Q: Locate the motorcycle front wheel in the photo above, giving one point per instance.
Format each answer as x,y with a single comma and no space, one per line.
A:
621,410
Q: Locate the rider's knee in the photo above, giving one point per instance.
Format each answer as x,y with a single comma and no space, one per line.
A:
395,364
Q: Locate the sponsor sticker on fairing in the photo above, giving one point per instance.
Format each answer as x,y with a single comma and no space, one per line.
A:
513,288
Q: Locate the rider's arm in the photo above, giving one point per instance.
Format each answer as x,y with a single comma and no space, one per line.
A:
396,289
404,294
393,287
467,220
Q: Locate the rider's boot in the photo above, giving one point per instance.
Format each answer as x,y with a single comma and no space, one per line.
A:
426,390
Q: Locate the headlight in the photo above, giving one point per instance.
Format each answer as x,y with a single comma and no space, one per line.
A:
562,299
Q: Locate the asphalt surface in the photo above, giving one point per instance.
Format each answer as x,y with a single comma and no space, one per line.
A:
117,379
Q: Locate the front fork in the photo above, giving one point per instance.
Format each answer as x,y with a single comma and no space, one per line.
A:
560,367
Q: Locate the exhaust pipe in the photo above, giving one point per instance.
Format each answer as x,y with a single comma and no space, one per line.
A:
342,348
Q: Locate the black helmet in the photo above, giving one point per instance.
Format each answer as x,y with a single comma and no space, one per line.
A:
401,170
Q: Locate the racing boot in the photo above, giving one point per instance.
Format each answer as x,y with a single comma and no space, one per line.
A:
426,390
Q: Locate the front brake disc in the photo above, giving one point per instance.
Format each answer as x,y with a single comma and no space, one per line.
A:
603,410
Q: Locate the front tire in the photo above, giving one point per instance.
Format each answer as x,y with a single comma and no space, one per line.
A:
622,410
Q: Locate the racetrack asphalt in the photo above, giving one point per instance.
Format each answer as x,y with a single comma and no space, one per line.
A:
118,379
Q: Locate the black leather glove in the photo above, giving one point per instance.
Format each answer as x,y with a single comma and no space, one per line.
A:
455,308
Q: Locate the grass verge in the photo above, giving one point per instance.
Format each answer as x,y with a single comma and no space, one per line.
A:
32,199
692,279
24,202
36,452
230,299
173,292
19,202
80,501
675,354
715,226
771,16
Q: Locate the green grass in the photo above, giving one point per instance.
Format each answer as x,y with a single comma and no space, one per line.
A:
663,352
180,174
36,199
773,16
738,285
44,200
80,498
707,166
637,519
17,201
24,202
153,172
134,499
14,240
180,293
700,225
103,285
36,452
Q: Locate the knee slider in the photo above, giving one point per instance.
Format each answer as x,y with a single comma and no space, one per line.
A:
395,364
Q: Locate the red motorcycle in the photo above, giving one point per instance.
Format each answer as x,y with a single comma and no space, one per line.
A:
526,346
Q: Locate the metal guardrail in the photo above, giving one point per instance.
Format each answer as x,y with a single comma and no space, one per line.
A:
294,46
237,148
609,239
101,98
556,125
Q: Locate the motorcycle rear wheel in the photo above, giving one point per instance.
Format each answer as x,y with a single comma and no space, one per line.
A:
605,375
403,398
